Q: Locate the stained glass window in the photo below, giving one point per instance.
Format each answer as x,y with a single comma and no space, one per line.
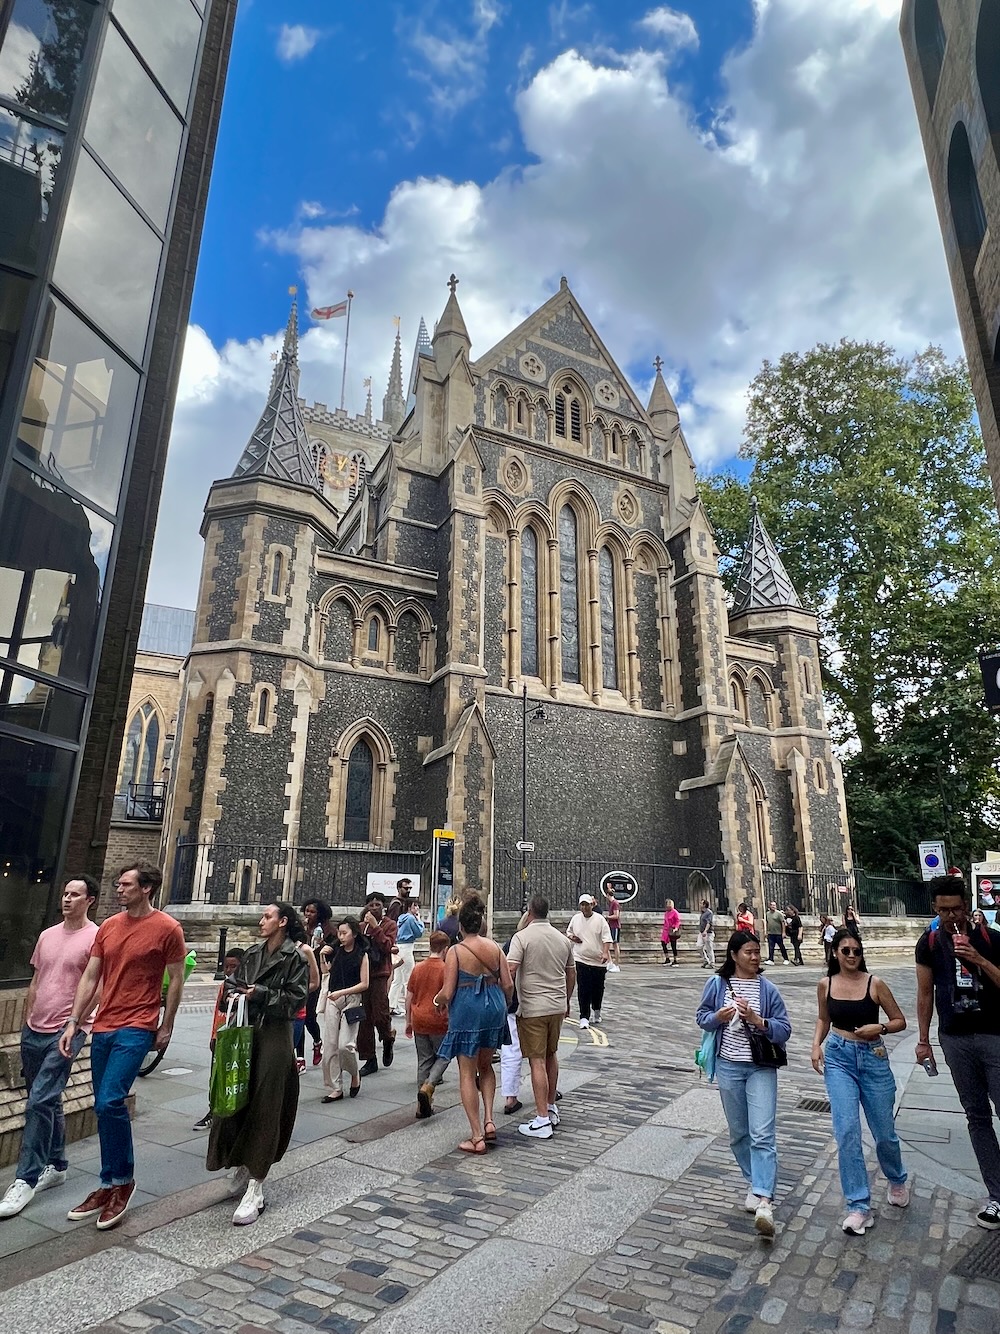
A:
529,603
358,808
609,647
569,596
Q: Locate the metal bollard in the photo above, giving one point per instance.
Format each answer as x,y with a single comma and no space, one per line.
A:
219,971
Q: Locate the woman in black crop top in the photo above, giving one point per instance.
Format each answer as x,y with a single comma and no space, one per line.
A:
855,1067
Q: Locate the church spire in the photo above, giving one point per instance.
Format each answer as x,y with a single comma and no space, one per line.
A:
278,446
662,409
423,347
394,404
763,581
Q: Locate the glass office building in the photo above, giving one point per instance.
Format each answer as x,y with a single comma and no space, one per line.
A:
108,117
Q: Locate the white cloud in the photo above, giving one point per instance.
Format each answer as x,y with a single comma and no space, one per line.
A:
295,41
452,59
677,30
806,216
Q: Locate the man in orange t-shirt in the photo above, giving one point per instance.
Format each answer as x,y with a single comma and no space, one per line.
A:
426,1024
130,954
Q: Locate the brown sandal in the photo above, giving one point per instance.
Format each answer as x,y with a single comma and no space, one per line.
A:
477,1145
490,1133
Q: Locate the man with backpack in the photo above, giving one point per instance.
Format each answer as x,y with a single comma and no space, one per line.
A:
958,969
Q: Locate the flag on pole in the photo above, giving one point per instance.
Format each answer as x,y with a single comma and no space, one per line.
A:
330,312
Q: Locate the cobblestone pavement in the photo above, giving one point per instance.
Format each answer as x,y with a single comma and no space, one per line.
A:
629,1219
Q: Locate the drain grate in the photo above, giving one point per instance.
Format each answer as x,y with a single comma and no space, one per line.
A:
982,1261
813,1105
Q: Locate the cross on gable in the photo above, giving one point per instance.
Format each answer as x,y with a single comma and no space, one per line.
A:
658,363
452,284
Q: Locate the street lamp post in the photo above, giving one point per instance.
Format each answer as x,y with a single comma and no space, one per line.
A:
524,796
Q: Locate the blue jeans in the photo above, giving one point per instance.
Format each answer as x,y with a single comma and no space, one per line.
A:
114,1061
857,1078
46,1072
750,1102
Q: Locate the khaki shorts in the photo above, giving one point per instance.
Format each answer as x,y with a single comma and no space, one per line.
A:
539,1034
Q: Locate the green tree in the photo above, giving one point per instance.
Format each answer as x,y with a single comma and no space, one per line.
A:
871,477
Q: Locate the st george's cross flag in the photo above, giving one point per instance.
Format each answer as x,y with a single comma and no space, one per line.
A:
330,312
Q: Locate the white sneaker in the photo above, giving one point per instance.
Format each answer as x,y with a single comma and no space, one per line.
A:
764,1218
51,1177
596,1016
536,1129
584,1023
899,1195
857,1222
786,962
613,968
19,1194
751,1202
251,1206
554,1116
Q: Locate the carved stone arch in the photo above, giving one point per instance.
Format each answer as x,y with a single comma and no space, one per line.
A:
500,503
738,693
263,710
337,634
382,796
342,593
656,682
570,492
572,409
412,644
501,398
376,630
760,815
760,698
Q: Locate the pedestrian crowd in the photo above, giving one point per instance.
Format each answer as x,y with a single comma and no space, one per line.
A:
469,1001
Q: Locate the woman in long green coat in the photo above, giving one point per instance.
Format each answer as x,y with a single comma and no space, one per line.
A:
274,977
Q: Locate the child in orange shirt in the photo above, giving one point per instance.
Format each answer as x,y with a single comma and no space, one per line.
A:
425,1024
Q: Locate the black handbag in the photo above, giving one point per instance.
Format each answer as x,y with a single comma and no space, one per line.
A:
354,1014
763,1052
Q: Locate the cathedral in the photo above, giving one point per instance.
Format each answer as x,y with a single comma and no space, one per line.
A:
495,610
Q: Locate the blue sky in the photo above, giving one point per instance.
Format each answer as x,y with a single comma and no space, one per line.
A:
721,181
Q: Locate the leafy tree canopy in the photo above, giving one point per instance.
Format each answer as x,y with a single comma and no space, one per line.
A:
871,478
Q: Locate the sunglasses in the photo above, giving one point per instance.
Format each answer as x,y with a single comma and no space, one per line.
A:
851,954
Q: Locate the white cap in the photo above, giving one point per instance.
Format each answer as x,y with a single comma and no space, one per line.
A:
587,898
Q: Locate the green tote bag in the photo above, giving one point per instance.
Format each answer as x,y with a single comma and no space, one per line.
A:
229,1084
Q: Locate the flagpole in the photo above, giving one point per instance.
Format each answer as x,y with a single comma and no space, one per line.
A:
347,339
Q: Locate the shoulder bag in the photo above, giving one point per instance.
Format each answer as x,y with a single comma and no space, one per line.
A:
763,1052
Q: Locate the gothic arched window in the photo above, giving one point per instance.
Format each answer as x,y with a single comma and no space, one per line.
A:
529,603
358,806
569,596
609,645
142,746
373,635
277,574
263,707
358,474
568,412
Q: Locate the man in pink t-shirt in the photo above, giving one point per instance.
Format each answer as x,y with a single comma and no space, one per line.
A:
60,957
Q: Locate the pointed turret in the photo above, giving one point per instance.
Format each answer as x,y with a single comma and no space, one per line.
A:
662,410
394,404
278,446
450,334
763,581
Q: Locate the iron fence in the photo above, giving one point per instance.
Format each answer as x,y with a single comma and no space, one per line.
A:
817,892
563,880
141,801
248,873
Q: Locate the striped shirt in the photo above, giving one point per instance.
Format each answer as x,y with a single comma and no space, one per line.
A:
735,1043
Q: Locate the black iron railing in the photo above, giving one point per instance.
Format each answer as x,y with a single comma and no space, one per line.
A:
141,801
830,892
252,873
563,880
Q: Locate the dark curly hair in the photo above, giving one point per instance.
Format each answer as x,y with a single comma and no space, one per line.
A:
471,915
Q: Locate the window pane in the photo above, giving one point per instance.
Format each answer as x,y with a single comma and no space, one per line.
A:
132,128
108,258
569,596
43,708
166,36
42,51
609,652
13,295
53,558
34,788
529,602
78,409
29,159
357,821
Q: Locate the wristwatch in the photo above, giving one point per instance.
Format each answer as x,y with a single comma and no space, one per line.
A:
884,1028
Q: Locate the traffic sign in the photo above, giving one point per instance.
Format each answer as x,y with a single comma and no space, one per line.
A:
932,859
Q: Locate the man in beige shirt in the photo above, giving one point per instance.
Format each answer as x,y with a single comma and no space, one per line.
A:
541,963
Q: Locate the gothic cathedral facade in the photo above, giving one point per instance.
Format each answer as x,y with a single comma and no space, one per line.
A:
519,539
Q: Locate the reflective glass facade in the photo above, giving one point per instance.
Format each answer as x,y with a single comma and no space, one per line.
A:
97,101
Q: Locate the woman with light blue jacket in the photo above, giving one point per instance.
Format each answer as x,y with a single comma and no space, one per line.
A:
740,1007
